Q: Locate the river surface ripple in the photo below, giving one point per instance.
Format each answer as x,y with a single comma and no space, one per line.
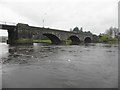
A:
59,66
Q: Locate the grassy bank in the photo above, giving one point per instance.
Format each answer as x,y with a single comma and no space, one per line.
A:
25,41
67,42
42,41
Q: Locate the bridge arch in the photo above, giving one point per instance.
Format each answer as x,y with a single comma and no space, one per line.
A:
87,40
54,39
75,40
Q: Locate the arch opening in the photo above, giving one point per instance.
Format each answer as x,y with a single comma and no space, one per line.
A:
87,40
3,36
54,39
75,40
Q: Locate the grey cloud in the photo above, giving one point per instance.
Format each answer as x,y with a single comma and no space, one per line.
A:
64,14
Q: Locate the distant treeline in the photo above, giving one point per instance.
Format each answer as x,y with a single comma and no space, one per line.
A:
111,35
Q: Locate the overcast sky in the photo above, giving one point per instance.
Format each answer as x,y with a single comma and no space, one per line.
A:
93,15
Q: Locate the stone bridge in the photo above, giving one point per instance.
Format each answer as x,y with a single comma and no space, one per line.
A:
56,36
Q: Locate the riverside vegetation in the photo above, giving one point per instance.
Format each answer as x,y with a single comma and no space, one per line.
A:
24,41
108,39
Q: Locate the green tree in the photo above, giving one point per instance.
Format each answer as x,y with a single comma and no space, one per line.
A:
104,38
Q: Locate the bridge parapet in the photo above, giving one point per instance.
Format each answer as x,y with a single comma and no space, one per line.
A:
21,26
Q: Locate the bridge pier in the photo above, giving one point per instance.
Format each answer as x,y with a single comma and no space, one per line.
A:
12,36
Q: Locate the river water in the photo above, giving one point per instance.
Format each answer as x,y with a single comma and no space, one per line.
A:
59,66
